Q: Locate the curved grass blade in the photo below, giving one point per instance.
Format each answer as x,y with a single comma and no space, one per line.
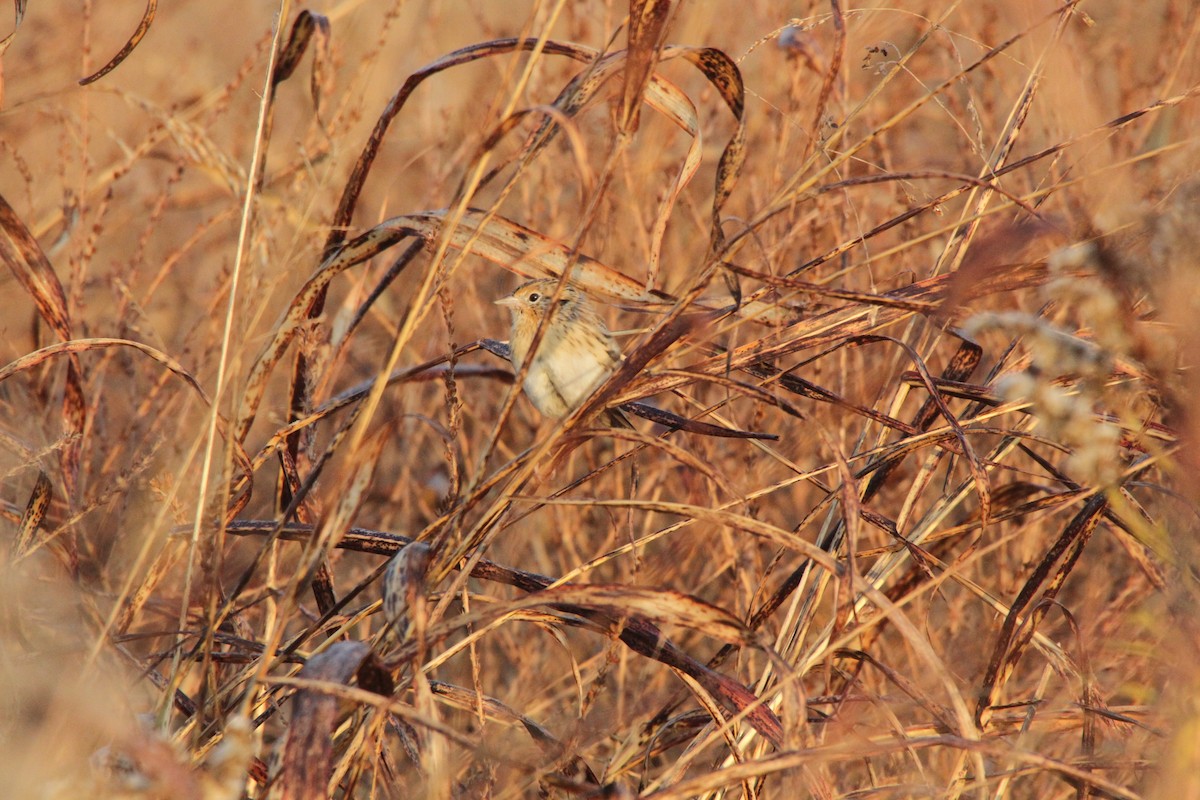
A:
143,27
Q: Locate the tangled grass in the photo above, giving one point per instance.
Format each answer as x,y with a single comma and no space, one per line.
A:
907,301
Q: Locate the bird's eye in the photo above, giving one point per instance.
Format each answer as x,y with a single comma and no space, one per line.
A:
533,297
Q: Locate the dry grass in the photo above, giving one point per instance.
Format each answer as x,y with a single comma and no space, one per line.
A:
946,255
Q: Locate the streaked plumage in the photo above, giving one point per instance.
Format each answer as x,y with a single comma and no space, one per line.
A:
576,352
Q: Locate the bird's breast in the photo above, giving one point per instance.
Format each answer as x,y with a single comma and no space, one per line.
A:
560,378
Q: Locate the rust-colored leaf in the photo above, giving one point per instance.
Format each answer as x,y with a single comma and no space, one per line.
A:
74,346
122,54
306,26
35,511
23,255
20,250
722,72
1009,648
647,28
308,755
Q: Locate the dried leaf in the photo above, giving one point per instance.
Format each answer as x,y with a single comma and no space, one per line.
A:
19,10
1009,647
74,346
306,26
122,54
35,512
660,605
404,590
646,31
23,255
308,754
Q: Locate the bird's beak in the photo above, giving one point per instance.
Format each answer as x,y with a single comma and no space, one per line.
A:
510,301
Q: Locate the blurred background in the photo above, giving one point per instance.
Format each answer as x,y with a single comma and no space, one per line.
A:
867,138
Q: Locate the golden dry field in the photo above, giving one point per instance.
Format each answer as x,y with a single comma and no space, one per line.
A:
907,296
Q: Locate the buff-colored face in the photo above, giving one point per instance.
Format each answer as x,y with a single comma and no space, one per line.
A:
532,300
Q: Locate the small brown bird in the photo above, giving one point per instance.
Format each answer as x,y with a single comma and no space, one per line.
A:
576,352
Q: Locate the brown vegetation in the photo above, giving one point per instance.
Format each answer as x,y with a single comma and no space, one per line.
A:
908,301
